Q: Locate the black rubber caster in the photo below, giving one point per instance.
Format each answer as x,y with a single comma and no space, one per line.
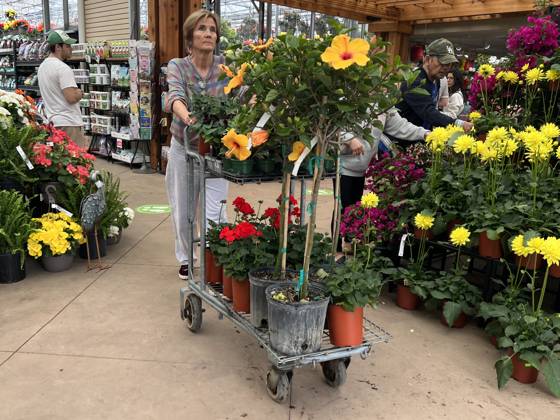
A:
335,371
193,312
278,384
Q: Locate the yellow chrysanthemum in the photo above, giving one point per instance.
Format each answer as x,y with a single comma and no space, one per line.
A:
518,246
558,153
535,245
550,250
485,153
465,144
525,67
552,75
345,51
475,115
297,149
369,200
509,147
460,236
34,248
237,145
500,75
497,136
437,139
511,77
550,130
423,221
534,76
486,70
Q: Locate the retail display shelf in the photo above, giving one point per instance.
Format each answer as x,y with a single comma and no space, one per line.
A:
127,157
8,71
6,51
35,63
29,88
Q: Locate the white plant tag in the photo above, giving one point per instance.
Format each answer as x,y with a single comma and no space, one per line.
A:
303,156
25,158
62,210
403,242
50,143
99,184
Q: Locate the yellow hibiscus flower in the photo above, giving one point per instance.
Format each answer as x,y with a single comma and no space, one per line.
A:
236,80
260,46
258,137
297,149
237,145
345,51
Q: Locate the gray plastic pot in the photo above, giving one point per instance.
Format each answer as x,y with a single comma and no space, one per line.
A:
296,328
259,306
57,263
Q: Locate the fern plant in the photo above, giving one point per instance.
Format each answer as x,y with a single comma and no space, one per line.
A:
11,163
15,223
116,202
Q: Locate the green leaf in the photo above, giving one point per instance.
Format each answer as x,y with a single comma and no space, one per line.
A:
530,319
505,342
271,96
532,358
418,91
551,372
504,369
451,311
511,330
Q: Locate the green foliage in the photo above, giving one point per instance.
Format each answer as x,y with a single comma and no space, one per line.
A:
292,22
457,293
71,198
243,256
248,28
320,253
228,35
212,114
116,202
15,223
11,163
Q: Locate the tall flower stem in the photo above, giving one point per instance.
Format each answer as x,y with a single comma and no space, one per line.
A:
543,289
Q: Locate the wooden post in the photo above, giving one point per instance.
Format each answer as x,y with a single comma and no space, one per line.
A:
398,34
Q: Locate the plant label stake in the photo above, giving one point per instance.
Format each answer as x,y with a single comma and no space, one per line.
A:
25,158
300,281
303,155
62,210
401,246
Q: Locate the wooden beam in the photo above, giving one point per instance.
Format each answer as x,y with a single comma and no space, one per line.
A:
360,10
391,26
462,8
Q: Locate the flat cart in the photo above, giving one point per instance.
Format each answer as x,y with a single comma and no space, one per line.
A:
333,360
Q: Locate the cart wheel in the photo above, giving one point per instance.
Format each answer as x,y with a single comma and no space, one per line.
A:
335,371
278,384
193,312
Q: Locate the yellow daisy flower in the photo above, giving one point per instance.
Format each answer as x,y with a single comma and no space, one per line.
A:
486,70
475,115
518,246
460,236
369,200
551,250
465,144
550,130
534,76
511,77
552,75
423,221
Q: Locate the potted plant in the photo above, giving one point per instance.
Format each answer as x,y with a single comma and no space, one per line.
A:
458,297
211,115
55,239
531,335
117,215
15,173
15,227
353,285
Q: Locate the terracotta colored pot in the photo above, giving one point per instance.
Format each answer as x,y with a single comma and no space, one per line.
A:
488,247
459,322
481,136
213,272
203,148
228,292
241,296
532,262
494,340
406,299
521,373
345,327
554,270
418,233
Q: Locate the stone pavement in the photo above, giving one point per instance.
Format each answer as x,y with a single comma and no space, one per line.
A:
111,345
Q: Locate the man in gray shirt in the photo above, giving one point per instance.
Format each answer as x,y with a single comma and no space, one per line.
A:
59,90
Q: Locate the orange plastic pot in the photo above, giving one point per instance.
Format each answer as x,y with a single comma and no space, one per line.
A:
241,296
489,248
345,327
522,373
213,271
203,148
554,270
531,262
419,233
494,340
406,299
460,322
228,292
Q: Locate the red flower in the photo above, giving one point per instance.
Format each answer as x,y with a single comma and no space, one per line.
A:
243,206
245,230
227,234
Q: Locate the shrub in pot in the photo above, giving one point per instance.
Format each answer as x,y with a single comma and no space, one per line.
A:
55,239
118,215
15,227
353,285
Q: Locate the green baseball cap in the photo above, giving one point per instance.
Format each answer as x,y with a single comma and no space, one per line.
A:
59,37
443,50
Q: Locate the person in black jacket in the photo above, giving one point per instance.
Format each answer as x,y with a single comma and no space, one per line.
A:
421,109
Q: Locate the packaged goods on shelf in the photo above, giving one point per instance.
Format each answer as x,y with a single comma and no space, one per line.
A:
81,76
100,119
32,50
120,102
119,49
79,50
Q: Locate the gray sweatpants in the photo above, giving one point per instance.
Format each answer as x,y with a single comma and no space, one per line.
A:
176,183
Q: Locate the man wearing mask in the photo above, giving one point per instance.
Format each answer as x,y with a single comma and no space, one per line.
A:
59,90
421,109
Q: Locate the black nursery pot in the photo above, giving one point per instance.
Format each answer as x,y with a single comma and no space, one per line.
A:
92,248
10,268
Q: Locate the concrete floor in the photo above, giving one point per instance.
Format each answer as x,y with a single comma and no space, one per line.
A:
111,345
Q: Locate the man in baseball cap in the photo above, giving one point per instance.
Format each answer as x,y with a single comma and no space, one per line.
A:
421,109
59,90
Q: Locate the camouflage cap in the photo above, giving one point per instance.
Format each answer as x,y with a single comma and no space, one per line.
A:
443,50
